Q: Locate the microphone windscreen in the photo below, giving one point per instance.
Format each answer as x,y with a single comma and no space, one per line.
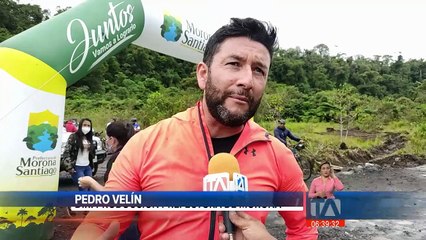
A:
224,162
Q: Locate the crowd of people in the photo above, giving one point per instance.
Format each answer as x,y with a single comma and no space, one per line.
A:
173,154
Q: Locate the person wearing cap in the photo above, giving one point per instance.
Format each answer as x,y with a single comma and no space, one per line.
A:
281,132
135,124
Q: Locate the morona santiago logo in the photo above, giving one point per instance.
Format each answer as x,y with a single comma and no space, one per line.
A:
171,29
42,132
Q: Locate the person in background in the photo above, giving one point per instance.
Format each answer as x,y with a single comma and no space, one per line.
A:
75,121
118,133
70,126
324,185
80,151
135,124
173,155
281,132
111,121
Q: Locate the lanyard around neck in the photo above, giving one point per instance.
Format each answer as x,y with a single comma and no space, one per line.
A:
203,131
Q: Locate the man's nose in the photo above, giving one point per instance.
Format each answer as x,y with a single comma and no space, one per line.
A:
245,79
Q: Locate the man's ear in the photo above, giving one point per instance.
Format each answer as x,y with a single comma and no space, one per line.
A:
202,75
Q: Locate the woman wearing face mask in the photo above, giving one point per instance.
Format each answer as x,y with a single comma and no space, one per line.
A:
324,185
118,133
80,151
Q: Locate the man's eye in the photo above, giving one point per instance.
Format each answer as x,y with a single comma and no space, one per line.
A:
233,64
260,71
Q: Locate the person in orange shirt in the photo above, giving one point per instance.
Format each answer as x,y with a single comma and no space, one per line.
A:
324,185
173,155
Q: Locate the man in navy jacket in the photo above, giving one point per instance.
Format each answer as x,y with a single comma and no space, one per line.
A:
281,132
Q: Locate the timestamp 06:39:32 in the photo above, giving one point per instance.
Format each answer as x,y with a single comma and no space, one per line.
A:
325,223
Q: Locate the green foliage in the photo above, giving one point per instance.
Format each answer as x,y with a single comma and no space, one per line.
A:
316,134
17,17
307,87
420,93
281,101
418,139
4,34
158,107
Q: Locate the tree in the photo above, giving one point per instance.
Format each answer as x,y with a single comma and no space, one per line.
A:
4,34
30,219
322,50
18,17
341,105
5,222
338,71
60,10
49,211
22,212
421,93
348,102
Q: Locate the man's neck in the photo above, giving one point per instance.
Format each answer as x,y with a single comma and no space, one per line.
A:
216,129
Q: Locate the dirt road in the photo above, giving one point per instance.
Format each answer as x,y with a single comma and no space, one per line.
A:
370,178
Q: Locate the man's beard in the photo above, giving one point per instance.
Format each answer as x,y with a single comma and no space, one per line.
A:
215,100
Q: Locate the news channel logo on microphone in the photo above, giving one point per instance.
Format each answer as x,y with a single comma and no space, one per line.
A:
221,182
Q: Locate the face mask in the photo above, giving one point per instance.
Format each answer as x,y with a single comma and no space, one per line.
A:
109,147
85,130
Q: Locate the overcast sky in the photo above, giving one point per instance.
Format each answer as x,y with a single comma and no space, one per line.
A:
365,27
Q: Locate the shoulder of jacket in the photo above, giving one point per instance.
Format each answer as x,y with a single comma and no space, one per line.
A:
158,128
277,144
73,137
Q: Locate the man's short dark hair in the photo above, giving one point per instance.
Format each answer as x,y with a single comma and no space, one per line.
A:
258,31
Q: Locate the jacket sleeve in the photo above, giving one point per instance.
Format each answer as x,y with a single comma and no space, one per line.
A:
312,189
292,137
338,185
292,181
69,155
92,153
